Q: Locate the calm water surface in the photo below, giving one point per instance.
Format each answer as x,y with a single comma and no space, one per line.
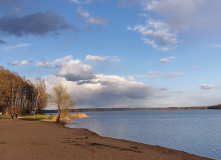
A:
193,131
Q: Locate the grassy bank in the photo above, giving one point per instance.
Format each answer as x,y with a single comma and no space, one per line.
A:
37,117
46,117
5,116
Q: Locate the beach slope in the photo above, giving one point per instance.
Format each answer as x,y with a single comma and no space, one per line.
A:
21,140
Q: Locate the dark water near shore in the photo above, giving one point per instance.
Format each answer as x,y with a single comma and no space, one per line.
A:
193,131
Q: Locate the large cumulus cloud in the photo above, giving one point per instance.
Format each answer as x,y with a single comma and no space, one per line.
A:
98,90
74,70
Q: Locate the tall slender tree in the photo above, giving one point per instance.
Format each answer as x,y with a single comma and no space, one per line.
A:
40,95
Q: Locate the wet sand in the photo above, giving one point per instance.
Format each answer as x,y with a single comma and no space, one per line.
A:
25,140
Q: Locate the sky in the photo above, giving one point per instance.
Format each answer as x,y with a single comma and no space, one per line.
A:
117,53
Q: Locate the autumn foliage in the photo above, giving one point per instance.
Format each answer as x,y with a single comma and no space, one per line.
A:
20,95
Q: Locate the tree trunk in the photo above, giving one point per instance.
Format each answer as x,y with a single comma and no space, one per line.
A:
58,118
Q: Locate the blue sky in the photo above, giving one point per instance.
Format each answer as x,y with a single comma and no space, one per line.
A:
117,53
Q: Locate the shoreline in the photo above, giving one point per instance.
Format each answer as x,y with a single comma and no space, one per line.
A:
21,139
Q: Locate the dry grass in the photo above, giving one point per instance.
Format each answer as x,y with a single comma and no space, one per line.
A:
66,117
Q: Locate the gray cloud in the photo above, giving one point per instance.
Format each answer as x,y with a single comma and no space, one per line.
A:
82,13
69,26
98,21
79,76
117,91
2,42
107,91
206,86
36,24
188,14
46,64
178,12
98,90
18,63
82,82
167,60
173,75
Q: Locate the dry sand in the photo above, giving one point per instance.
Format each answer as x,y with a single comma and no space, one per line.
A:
26,140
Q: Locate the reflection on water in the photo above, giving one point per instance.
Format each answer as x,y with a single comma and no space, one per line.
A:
193,131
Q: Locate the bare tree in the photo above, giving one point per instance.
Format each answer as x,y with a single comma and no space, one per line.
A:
62,100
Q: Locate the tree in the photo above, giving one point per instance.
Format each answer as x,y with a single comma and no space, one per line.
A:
18,94
40,95
4,91
62,100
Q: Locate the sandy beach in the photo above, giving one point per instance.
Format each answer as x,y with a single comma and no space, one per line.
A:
25,140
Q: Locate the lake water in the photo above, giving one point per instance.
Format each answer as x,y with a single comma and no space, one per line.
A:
193,131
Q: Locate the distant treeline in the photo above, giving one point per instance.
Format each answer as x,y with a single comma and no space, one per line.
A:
20,95
137,109
218,106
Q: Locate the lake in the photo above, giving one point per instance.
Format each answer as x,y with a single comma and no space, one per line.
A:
193,131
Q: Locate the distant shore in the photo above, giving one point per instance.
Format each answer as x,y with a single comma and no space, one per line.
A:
137,109
23,140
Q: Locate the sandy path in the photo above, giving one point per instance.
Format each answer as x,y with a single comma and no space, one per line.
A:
26,140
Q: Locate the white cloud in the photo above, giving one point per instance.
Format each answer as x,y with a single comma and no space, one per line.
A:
21,63
22,45
173,75
153,72
82,13
167,60
101,58
96,58
98,21
150,42
206,86
56,64
76,1
154,45
195,67
160,35
215,45
46,64
115,58
16,63
174,16
74,70
63,60
25,62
